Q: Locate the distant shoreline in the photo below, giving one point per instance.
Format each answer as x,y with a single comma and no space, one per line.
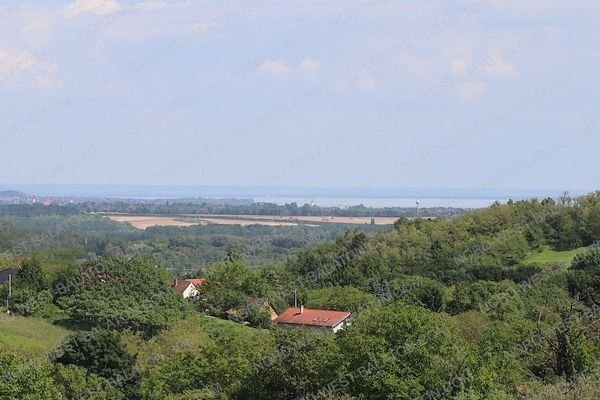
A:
325,197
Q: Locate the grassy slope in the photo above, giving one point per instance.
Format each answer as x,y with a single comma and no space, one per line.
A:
549,256
29,336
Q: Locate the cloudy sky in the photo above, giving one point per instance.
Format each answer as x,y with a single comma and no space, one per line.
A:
373,93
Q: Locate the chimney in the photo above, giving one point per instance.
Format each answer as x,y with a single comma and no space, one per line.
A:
295,298
301,308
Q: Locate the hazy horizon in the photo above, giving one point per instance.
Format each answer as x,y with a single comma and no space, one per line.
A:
369,197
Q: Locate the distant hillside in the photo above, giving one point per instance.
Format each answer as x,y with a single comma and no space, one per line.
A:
12,197
11,194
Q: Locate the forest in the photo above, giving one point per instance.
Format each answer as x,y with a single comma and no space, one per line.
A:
500,303
229,207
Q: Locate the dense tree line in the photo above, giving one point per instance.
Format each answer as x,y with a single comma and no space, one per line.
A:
224,207
62,238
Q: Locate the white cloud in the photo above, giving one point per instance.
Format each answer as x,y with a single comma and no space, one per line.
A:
37,33
275,67
462,65
461,60
99,7
159,5
15,65
459,67
310,65
497,66
48,82
472,90
152,5
280,68
367,83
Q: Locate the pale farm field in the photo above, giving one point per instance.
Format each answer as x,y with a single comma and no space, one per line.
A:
335,220
144,222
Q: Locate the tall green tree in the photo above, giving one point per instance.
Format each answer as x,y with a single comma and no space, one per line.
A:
403,352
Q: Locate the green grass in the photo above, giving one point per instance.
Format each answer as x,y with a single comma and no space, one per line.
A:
549,256
30,337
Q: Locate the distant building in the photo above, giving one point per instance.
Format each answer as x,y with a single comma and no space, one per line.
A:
323,320
8,274
266,304
187,287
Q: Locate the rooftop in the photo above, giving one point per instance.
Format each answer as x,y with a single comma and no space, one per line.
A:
312,317
196,281
5,273
180,286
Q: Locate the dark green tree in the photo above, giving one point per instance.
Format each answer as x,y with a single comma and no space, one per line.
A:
101,353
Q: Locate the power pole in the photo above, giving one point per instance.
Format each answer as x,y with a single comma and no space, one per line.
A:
9,292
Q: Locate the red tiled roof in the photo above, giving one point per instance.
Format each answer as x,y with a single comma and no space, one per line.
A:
180,286
197,281
312,317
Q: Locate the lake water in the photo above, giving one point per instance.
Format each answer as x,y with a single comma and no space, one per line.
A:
382,202
367,196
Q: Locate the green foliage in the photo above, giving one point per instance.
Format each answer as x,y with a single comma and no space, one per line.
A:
501,361
22,379
232,290
586,387
28,302
402,352
258,316
202,356
333,264
584,275
339,298
420,291
31,276
99,352
6,237
480,295
503,340
234,274
566,329
102,354
78,383
301,363
118,294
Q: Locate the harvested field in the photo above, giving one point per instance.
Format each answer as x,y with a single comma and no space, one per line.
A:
292,219
142,222
243,221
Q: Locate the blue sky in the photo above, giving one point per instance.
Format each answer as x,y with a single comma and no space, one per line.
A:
469,94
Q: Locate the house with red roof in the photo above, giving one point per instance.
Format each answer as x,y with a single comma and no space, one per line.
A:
187,287
323,320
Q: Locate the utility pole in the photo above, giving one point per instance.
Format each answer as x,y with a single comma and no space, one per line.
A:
418,202
9,292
